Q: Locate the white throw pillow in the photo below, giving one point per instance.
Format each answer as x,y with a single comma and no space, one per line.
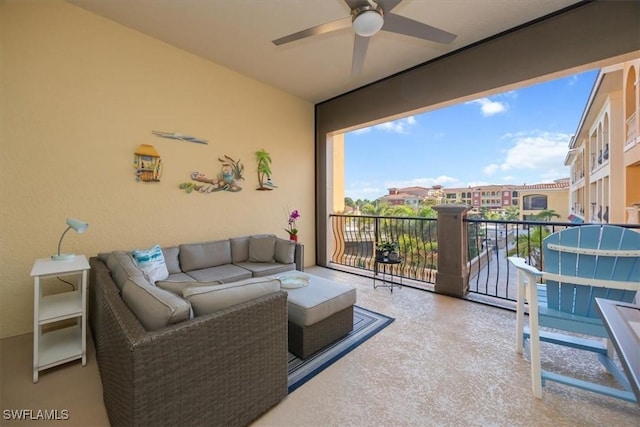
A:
151,262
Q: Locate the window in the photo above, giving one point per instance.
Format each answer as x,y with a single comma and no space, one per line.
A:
506,194
514,194
534,202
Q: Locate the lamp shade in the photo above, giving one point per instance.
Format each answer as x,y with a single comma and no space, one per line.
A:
78,226
368,22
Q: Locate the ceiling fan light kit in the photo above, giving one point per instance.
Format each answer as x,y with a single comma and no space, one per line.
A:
367,20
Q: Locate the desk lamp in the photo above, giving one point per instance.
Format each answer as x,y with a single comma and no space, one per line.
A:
78,226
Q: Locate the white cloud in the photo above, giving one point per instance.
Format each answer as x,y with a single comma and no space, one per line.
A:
489,107
573,80
395,126
542,152
491,169
364,190
361,131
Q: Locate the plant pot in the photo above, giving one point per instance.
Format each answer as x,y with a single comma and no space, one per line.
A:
381,255
394,256
293,237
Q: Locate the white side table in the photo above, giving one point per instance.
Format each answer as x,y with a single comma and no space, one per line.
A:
66,344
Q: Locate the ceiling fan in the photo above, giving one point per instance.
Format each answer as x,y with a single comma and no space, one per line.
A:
367,18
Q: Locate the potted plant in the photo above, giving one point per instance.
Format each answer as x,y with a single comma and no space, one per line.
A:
292,230
387,250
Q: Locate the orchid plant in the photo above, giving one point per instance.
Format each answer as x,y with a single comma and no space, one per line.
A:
293,216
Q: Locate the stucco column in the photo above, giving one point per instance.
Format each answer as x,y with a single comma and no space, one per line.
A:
452,278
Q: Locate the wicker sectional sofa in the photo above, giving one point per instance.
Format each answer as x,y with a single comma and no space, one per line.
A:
223,367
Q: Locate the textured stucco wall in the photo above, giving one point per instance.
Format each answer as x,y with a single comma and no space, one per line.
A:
79,93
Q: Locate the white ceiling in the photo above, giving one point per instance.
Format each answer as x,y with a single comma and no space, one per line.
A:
238,33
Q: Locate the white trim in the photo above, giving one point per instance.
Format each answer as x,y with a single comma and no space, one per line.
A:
601,283
598,252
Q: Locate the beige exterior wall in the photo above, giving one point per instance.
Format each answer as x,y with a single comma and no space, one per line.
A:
610,119
557,200
631,108
78,94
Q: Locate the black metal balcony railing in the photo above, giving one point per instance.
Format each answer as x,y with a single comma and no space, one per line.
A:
489,243
355,238
492,242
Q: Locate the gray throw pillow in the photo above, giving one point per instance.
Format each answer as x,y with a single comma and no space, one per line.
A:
285,251
262,248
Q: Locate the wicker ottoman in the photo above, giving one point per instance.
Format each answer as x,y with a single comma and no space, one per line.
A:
320,311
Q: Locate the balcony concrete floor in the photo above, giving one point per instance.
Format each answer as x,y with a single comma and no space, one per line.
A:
443,362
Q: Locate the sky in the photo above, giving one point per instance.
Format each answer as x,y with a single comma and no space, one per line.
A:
517,137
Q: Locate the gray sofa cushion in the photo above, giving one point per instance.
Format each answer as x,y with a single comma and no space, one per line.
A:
178,287
262,248
122,267
155,308
209,299
224,273
179,277
196,256
239,249
171,259
285,251
260,269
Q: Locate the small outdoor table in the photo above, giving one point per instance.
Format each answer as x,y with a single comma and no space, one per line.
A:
386,278
622,321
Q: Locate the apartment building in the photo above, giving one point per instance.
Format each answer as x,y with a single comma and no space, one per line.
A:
413,196
529,199
494,197
548,196
604,153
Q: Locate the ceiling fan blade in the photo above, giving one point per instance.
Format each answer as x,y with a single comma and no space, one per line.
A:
354,4
360,45
388,5
409,27
327,27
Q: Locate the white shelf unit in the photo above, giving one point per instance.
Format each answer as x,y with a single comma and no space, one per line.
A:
65,344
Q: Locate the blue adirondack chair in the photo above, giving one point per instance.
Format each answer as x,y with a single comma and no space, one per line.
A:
580,264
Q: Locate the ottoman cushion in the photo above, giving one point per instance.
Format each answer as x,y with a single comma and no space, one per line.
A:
318,300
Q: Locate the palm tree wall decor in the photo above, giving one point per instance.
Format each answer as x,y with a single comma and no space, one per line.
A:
264,170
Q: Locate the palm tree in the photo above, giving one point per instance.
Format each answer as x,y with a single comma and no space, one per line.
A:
264,169
511,213
547,215
529,246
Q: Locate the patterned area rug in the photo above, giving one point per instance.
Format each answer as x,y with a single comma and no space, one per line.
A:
366,323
